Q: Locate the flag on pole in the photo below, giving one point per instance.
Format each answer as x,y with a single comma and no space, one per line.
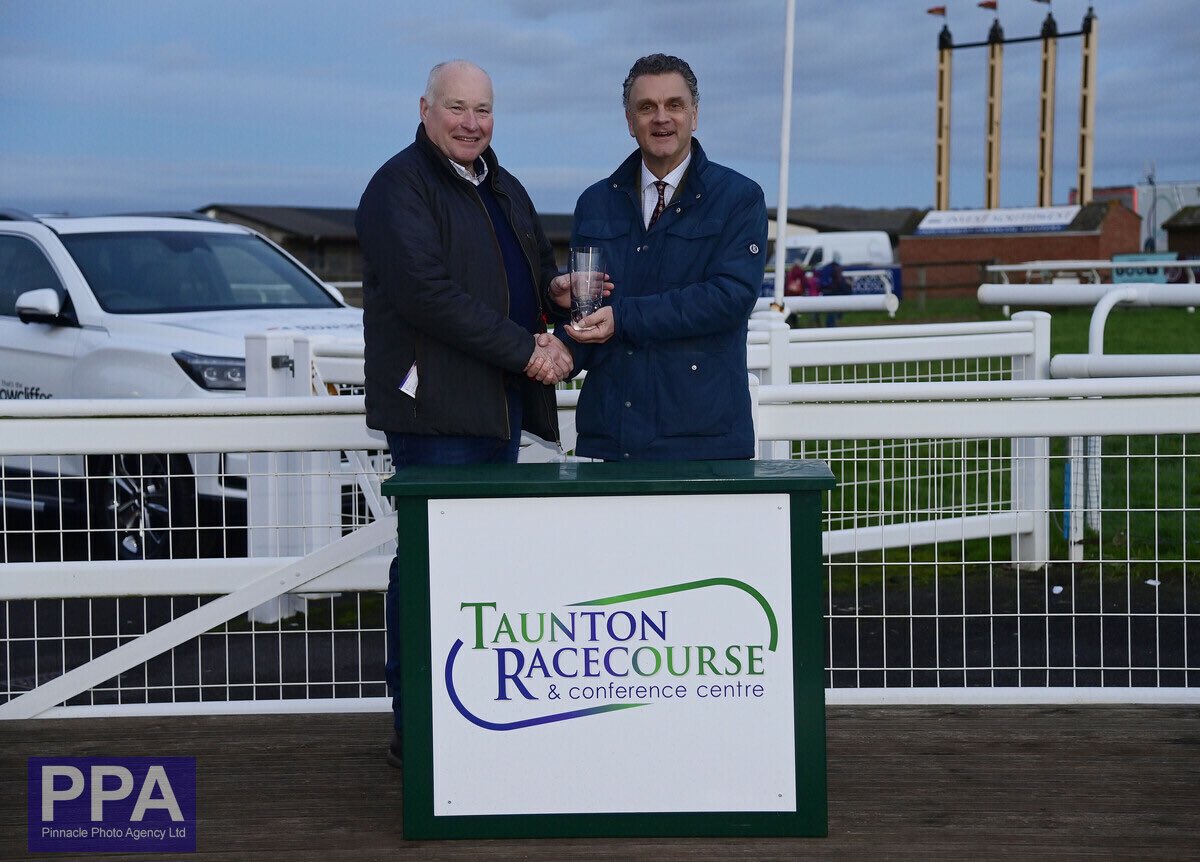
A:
938,10
987,4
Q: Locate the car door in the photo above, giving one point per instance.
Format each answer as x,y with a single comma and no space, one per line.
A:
36,359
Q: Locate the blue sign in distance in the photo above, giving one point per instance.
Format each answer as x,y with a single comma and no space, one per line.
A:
1139,271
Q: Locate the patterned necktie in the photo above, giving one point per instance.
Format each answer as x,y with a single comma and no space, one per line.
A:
661,185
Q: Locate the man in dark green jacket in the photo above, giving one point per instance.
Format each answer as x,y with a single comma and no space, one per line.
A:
684,243
457,280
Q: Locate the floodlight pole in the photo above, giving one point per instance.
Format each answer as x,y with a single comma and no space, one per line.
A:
941,189
785,148
991,185
1045,195
1087,108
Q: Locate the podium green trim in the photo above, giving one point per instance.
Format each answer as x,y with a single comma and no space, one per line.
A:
802,481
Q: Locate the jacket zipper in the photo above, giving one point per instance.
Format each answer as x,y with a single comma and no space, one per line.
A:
417,365
500,254
535,273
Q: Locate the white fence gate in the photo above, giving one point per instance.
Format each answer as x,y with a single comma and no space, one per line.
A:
946,578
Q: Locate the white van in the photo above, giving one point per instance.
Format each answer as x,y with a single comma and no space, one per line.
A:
851,248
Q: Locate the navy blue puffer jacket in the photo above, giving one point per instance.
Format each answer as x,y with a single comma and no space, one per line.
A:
671,384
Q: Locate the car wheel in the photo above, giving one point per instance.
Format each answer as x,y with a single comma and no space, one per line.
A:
141,507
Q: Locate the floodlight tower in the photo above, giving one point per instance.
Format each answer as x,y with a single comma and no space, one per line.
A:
1087,107
995,44
991,185
1045,195
941,192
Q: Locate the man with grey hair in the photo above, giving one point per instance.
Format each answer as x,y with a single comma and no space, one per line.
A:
684,241
457,276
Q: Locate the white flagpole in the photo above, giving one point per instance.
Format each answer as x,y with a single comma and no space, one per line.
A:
785,146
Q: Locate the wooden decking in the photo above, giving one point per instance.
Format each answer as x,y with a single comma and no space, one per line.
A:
928,783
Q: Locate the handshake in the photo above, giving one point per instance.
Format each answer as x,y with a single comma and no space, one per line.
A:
550,361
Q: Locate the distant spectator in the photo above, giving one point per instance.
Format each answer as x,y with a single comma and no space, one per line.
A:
811,286
795,283
834,283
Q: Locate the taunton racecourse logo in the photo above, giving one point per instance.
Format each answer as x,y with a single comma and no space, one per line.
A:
536,667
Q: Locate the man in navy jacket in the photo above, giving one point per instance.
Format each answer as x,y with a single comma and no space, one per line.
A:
685,245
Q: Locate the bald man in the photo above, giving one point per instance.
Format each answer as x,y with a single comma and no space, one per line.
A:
456,293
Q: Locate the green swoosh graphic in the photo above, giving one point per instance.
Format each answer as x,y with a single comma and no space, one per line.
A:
695,585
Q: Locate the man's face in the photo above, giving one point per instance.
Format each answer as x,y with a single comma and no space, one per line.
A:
458,118
662,117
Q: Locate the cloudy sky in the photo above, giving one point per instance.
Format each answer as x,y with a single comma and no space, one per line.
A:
121,105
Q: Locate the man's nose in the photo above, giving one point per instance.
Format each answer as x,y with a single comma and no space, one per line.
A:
470,120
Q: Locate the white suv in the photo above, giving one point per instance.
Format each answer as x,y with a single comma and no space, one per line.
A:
141,307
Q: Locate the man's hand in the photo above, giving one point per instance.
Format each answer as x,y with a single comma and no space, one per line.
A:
596,328
560,289
550,361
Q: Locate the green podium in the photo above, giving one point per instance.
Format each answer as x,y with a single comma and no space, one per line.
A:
603,649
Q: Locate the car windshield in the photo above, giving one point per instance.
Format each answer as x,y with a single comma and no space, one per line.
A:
150,272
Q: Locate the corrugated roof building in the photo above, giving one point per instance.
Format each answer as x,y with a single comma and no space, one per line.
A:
1183,232
322,238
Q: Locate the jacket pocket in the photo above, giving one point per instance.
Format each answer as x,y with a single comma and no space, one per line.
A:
599,229
694,393
595,415
688,249
697,228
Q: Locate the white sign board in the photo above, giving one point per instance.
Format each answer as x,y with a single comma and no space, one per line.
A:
572,673
1008,220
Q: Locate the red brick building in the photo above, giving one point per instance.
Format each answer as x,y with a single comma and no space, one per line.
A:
955,263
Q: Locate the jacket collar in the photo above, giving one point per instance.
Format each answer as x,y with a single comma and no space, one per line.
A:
629,175
429,148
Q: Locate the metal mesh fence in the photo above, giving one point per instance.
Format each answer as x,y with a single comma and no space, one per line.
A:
1120,607
1123,610
333,649
926,371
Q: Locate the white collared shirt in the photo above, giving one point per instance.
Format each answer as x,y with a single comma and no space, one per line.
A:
470,177
650,193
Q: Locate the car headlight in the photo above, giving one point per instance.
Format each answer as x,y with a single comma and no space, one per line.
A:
213,372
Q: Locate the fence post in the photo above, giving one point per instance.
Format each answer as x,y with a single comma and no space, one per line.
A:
1031,455
778,372
753,381
289,505
1091,480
